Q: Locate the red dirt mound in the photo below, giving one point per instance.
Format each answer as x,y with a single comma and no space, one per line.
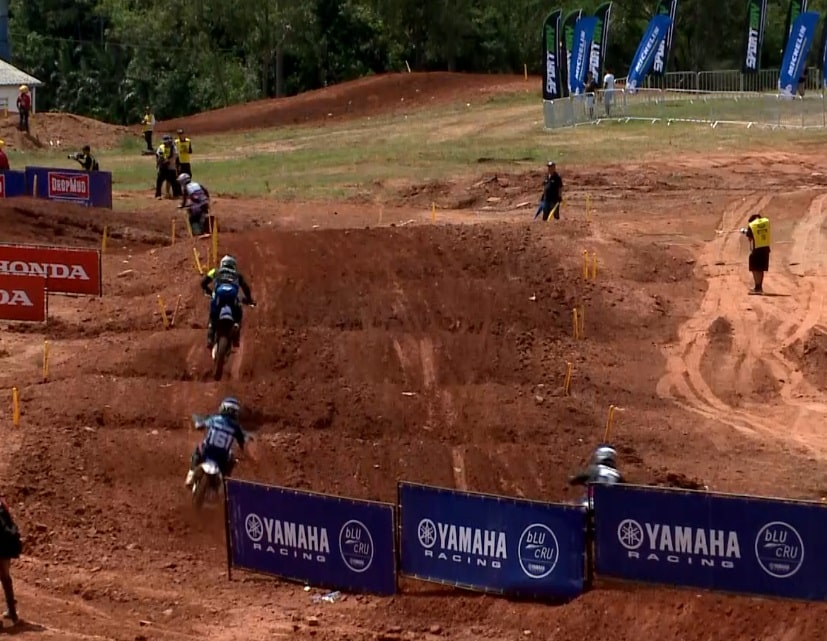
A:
811,355
386,93
63,133
43,222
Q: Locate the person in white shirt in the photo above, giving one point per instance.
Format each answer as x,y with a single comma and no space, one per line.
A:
608,90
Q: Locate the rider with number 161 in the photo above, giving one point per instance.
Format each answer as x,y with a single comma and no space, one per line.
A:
223,431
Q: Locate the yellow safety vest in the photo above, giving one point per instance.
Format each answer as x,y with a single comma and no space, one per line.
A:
165,152
184,147
760,228
147,122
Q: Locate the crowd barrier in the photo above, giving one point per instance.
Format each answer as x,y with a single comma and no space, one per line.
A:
521,548
92,189
12,184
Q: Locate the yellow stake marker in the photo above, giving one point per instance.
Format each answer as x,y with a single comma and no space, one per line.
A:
433,212
594,265
525,70
575,323
582,321
164,317
609,423
104,238
215,242
567,383
175,311
45,360
585,264
173,232
189,227
15,402
198,265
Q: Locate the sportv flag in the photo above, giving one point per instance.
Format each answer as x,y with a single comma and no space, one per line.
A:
600,40
668,8
568,42
795,55
795,8
552,79
646,50
756,21
582,45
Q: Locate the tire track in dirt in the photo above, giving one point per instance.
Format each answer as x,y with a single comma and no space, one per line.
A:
761,330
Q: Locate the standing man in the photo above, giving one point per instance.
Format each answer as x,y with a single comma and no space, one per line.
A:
552,194
10,548
165,159
24,108
758,232
591,91
183,147
148,121
608,91
86,159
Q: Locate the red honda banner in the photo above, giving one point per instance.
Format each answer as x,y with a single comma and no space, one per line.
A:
22,298
67,270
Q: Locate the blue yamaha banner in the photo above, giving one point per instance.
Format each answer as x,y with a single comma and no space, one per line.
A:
719,542
321,540
645,55
12,184
491,543
581,52
801,39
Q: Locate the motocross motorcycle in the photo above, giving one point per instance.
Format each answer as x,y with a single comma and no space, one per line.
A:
200,219
226,332
207,484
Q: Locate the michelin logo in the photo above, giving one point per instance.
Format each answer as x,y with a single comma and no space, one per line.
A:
779,549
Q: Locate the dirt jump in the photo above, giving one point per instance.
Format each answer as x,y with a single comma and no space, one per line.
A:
430,352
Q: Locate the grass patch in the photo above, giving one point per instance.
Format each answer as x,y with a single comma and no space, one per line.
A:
501,134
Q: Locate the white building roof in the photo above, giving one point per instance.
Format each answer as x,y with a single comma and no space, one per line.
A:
11,75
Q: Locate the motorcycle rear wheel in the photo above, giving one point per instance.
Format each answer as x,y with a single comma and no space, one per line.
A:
221,353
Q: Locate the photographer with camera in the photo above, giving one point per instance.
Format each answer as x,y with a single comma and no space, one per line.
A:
86,159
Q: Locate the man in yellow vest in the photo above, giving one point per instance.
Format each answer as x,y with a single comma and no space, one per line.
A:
184,147
165,161
758,232
148,121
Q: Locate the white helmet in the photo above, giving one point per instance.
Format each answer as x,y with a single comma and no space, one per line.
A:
228,263
184,179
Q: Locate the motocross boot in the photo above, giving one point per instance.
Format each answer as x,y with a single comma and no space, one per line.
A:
237,336
8,589
210,336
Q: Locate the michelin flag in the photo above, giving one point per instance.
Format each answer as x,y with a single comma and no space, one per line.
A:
583,34
795,55
823,56
795,9
670,8
648,47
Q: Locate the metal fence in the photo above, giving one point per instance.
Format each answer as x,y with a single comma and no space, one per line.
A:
714,97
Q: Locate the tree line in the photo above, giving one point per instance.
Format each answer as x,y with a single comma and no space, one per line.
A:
107,59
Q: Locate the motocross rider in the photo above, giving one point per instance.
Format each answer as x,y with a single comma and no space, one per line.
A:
198,196
228,280
223,429
602,469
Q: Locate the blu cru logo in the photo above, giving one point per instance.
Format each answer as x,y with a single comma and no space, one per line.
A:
779,549
538,551
356,546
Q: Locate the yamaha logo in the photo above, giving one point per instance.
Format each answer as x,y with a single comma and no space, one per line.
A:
426,532
254,527
630,534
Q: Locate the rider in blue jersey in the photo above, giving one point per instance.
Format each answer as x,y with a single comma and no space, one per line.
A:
223,431
226,282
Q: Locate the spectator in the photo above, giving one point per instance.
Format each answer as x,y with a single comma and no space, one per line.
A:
24,108
10,548
608,91
4,159
758,232
802,81
148,122
166,161
591,91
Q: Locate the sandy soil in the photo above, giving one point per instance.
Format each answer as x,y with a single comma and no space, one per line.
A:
361,301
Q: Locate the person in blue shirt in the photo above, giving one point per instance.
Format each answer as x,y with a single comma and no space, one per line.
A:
222,432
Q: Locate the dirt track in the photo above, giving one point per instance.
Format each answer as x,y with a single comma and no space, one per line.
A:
717,388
